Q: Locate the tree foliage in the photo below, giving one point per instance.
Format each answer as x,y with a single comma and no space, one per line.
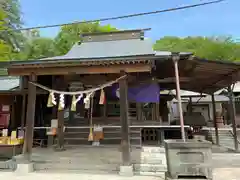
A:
32,46
212,48
35,47
12,21
71,34
5,49
38,48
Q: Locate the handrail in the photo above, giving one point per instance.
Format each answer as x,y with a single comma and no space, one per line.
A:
134,126
221,129
233,136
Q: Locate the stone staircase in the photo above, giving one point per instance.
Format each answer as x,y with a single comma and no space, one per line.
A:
112,136
225,138
152,161
77,132
149,161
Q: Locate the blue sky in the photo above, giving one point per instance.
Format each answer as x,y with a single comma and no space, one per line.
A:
216,19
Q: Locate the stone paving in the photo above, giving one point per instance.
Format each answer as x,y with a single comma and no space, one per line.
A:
226,166
219,174
71,176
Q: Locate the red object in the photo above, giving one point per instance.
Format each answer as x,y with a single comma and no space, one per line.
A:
4,116
4,120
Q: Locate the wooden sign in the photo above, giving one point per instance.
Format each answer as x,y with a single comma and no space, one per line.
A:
5,108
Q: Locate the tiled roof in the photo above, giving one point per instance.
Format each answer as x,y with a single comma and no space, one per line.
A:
107,49
8,83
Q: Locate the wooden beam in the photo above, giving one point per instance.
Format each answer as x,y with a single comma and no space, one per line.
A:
19,92
129,68
124,122
27,150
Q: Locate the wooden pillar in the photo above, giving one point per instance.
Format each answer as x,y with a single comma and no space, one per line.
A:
13,114
104,111
233,116
51,138
139,111
24,98
23,87
60,132
54,108
214,119
124,122
28,142
153,112
190,108
157,112
60,117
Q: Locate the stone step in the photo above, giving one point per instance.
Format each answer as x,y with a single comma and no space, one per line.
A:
6,165
74,166
143,169
108,134
150,167
105,130
157,174
84,141
152,160
153,149
81,171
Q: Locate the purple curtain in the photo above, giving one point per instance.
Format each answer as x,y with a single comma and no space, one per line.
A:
144,93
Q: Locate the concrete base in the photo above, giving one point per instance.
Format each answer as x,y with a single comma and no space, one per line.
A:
126,170
24,168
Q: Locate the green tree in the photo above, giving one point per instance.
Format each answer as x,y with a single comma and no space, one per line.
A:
35,47
5,49
40,48
12,19
70,34
214,48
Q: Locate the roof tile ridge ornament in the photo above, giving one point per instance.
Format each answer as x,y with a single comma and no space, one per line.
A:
113,35
115,32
